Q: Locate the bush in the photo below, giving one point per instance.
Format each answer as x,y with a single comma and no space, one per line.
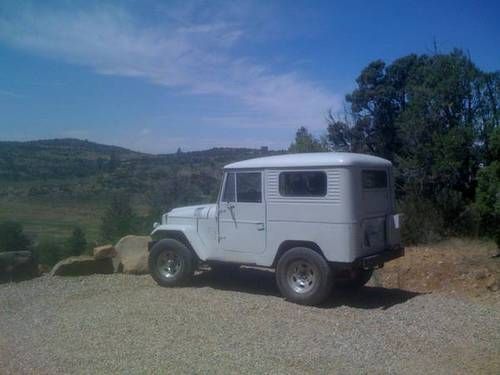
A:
422,222
76,244
488,199
119,219
48,252
12,237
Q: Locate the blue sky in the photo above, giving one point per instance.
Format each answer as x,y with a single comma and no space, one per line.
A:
157,75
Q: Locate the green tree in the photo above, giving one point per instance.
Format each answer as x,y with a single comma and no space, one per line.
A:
488,190
12,237
488,199
76,244
434,117
305,142
119,218
48,251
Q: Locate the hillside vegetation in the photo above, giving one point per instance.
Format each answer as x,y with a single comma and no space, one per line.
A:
51,186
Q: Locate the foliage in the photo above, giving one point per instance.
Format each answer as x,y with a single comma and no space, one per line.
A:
51,195
119,219
49,251
436,117
488,199
76,244
305,142
12,237
421,222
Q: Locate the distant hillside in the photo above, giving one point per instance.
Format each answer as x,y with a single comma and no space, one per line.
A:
53,185
58,158
76,169
70,158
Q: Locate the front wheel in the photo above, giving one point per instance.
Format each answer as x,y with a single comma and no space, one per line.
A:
303,276
171,263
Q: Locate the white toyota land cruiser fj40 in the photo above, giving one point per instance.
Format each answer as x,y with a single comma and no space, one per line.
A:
319,219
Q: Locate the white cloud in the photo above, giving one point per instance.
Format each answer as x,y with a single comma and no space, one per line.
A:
197,58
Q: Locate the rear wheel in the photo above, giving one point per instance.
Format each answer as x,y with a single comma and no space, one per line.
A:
303,276
171,263
354,279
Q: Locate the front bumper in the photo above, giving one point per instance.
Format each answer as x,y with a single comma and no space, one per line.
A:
377,260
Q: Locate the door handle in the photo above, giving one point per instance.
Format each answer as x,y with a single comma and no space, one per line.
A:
260,226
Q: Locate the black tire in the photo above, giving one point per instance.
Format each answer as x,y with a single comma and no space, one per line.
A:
171,263
355,279
303,266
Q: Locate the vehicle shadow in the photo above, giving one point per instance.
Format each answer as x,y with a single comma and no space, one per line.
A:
245,280
370,297
262,282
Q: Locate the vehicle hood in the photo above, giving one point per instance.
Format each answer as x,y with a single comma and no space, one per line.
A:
199,211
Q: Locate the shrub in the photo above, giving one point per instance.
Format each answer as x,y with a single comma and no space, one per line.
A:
488,199
119,219
12,237
49,251
76,244
422,222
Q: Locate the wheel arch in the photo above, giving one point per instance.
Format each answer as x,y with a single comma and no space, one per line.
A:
290,244
175,235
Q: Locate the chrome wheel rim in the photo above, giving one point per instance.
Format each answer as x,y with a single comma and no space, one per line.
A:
302,276
169,264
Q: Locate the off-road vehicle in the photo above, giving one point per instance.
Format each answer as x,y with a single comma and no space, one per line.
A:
318,219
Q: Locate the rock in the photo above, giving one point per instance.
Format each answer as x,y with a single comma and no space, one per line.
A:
82,266
106,251
132,255
17,266
494,252
492,284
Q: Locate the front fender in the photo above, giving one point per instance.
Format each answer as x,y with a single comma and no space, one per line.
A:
189,232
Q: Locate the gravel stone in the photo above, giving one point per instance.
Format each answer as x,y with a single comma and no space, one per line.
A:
237,323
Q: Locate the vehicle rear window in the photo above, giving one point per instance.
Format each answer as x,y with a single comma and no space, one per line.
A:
249,187
302,184
373,179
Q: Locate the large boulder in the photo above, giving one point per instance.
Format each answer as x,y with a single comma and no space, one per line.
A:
106,251
82,266
17,266
132,255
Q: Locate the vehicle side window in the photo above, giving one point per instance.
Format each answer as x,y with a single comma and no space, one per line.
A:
302,184
373,179
229,193
249,187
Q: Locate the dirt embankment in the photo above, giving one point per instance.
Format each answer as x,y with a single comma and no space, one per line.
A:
461,267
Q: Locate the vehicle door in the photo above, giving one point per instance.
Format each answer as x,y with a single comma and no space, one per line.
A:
242,213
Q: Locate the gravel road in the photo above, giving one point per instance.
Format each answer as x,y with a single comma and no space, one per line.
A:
237,324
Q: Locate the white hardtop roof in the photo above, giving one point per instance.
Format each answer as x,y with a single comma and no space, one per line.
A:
313,159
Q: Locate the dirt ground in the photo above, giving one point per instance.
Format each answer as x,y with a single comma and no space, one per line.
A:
463,267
